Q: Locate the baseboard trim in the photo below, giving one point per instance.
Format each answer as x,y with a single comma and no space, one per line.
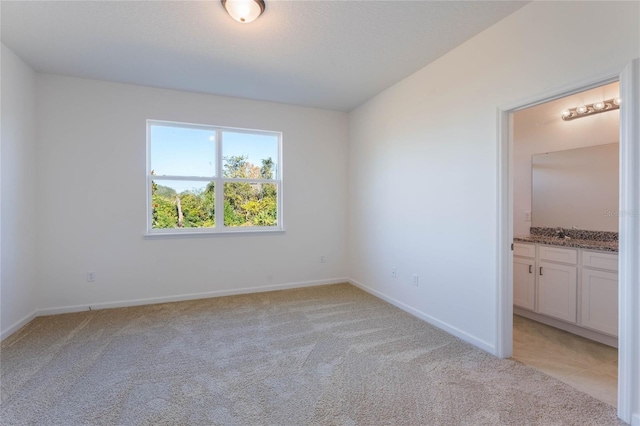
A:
18,325
428,318
183,297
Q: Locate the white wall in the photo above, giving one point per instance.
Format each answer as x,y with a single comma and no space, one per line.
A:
91,157
540,129
423,156
19,213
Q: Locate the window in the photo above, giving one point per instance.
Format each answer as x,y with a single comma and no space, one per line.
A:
205,179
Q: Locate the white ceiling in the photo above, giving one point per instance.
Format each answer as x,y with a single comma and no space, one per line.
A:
328,54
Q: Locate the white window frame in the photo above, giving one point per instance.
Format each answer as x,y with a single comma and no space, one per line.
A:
219,181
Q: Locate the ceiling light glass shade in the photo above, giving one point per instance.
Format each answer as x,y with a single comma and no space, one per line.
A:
244,11
591,109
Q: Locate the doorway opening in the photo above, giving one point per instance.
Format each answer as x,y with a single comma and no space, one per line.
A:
629,226
565,224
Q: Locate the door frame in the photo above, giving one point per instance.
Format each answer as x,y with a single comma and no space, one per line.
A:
629,227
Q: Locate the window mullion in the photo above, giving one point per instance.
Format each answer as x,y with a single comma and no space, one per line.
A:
249,180
219,186
185,178
279,203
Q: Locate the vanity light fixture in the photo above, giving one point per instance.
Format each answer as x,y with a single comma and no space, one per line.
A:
244,11
591,109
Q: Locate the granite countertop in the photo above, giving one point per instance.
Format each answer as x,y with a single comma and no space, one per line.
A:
573,242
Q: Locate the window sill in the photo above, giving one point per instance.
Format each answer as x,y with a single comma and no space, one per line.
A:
200,234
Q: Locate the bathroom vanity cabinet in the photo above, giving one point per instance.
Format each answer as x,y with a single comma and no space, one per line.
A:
570,288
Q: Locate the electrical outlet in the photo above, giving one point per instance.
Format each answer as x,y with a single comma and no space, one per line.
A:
394,273
322,259
414,280
91,276
527,216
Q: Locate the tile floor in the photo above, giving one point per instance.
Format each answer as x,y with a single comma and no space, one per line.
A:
582,363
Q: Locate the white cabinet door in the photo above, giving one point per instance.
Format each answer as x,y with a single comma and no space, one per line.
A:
524,283
557,285
600,301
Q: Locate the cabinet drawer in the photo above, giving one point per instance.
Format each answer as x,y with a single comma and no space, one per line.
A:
557,254
524,250
593,259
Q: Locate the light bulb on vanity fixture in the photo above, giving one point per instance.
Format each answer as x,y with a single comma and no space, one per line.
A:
590,109
244,11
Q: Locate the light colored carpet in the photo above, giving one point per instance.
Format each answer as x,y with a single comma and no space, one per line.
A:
330,355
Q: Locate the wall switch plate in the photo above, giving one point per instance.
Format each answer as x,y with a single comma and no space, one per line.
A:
394,273
322,259
527,216
414,280
91,276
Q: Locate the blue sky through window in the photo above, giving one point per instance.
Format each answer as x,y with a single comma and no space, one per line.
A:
186,151
182,151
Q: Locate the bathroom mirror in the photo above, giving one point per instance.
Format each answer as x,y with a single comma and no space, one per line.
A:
576,187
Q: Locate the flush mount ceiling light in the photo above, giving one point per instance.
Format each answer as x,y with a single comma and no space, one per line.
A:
244,11
591,109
